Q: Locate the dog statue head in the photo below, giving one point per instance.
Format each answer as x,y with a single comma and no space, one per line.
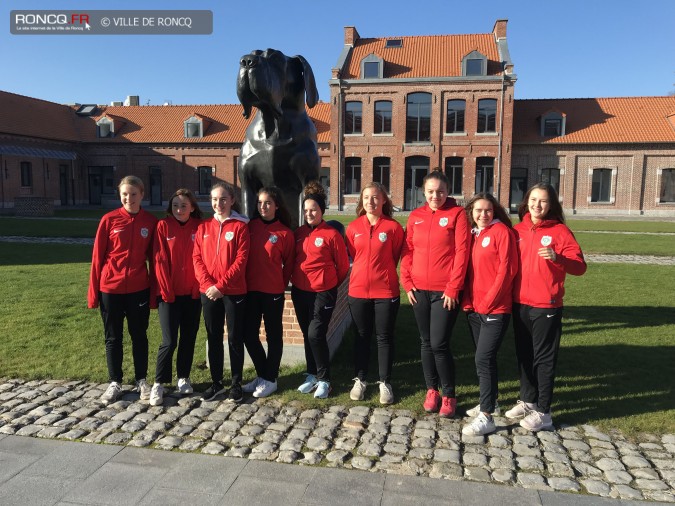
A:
280,147
271,81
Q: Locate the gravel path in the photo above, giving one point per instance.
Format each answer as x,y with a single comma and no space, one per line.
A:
570,459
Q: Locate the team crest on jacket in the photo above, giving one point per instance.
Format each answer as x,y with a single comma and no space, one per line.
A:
318,242
383,237
229,236
273,239
443,222
486,242
193,237
546,240
144,233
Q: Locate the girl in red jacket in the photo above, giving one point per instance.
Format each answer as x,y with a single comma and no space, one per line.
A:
374,241
220,256
268,272
433,268
547,251
321,265
120,284
487,299
179,304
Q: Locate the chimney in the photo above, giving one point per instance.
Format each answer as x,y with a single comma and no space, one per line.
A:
351,35
131,100
499,29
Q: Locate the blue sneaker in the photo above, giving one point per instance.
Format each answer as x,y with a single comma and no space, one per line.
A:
309,384
322,390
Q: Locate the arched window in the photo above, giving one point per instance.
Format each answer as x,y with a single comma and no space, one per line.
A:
418,117
382,124
552,177
353,118
667,193
487,115
454,122
352,176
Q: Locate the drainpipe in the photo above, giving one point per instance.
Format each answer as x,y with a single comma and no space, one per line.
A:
339,146
501,136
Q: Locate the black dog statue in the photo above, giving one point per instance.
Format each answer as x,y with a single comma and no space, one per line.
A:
280,147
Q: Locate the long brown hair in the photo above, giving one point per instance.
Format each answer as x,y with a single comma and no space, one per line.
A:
499,212
555,210
275,194
184,192
387,208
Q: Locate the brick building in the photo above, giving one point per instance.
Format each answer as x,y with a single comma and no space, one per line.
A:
398,107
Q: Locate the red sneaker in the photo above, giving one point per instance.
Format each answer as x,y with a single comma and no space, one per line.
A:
433,401
448,407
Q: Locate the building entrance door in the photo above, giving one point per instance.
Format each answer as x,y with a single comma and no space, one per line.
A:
155,186
414,186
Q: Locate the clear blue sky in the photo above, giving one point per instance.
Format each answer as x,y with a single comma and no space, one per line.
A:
589,48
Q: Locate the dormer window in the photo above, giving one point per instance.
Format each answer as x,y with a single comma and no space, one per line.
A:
394,43
105,127
552,124
193,128
372,67
474,64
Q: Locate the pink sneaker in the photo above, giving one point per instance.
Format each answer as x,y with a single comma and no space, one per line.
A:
433,401
448,407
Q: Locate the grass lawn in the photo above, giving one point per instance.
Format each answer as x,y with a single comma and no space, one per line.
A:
615,368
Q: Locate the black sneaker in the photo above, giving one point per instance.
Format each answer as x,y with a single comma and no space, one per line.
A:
212,392
236,394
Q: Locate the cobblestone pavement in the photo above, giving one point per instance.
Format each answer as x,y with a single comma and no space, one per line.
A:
570,459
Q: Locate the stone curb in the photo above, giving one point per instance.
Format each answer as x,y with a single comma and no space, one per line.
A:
570,459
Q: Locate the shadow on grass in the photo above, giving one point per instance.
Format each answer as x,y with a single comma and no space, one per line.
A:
594,382
18,253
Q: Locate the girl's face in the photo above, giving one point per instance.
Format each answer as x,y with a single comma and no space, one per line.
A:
267,208
313,214
372,201
131,197
221,202
181,207
538,205
482,213
436,193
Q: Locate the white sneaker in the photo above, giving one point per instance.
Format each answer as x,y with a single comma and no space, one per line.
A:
358,391
111,393
265,388
520,410
386,393
250,387
143,388
184,386
475,411
480,426
536,421
157,395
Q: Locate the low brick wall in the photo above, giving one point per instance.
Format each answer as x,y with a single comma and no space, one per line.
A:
33,206
339,323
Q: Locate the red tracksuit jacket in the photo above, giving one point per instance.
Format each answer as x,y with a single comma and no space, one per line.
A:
174,270
436,249
376,251
122,251
271,257
541,282
492,267
321,260
220,254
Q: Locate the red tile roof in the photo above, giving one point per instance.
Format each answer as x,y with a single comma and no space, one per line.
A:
424,56
31,117
224,124
598,120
